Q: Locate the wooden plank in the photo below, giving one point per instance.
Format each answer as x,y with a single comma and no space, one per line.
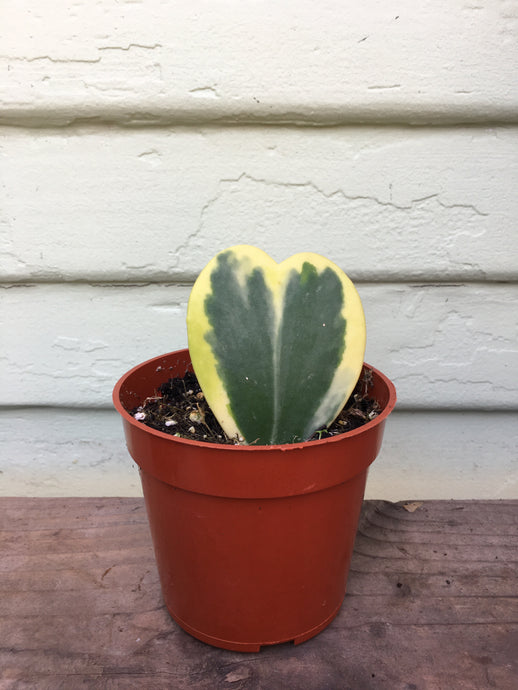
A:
130,212
81,452
444,346
156,63
431,603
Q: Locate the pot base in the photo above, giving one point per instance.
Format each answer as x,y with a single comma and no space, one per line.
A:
253,646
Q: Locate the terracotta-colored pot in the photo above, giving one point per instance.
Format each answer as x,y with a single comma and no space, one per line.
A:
253,543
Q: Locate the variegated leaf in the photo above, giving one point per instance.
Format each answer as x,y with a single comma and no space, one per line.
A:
277,348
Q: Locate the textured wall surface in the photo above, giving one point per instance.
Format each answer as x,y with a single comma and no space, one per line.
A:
139,138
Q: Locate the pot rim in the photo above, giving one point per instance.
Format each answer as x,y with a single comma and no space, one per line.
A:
286,447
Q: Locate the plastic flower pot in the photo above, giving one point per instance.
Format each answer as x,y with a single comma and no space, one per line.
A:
252,543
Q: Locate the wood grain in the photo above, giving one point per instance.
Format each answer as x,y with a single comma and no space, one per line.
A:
432,603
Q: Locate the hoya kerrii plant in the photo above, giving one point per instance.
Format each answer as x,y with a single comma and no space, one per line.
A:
277,347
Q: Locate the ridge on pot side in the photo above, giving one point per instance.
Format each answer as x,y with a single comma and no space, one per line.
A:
253,541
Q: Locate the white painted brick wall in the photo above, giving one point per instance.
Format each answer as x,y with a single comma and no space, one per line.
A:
139,138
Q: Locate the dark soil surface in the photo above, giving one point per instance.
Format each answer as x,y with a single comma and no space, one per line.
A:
179,408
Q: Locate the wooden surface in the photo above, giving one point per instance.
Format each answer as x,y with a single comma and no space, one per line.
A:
432,603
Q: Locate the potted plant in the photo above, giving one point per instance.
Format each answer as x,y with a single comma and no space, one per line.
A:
253,538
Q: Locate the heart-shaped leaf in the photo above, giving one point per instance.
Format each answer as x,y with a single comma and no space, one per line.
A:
277,348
